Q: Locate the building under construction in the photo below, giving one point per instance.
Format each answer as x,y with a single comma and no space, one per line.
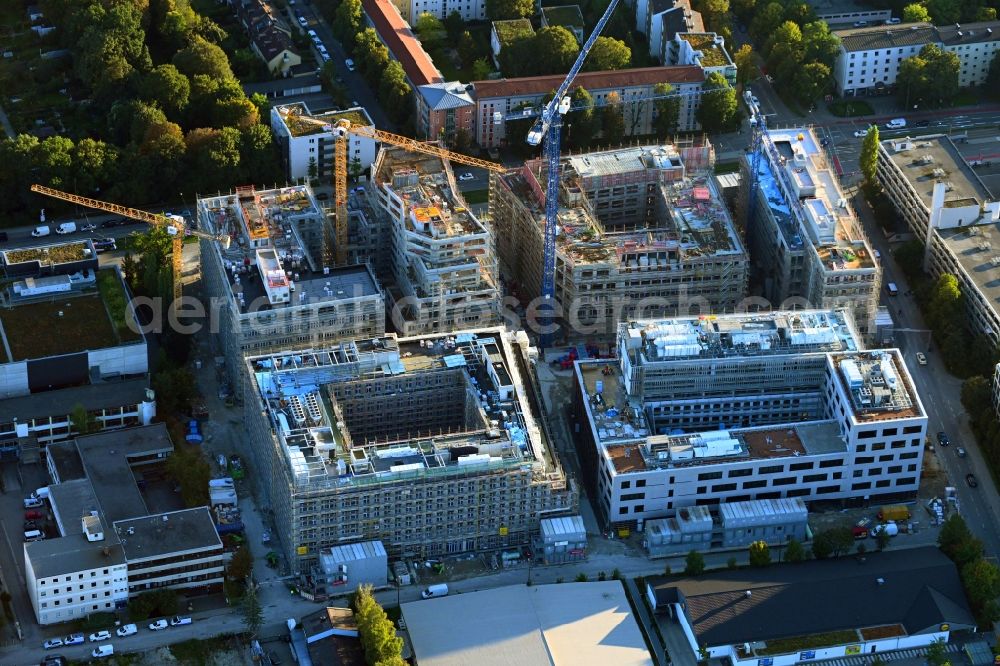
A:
443,262
809,248
642,232
270,287
432,445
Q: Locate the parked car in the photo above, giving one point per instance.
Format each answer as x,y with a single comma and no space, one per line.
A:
74,639
265,537
104,244
33,514
178,621
52,643
30,525
942,438
921,358
466,176
109,224
88,227
99,636
923,123
960,451
860,133
34,535
32,503
159,624
971,480
126,630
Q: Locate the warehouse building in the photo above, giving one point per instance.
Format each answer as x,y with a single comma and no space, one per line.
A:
444,265
431,445
643,232
948,207
808,247
713,410
271,286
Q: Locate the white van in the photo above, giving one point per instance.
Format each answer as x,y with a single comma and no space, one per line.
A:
43,230
439,590
892,289
34,535
896,123
102,651
66,228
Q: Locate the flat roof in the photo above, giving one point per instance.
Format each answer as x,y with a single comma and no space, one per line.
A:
61,402
300,121
926,160
174,532
70,554
583,624
49,255
512,29
65,457
72,500
976,248
566,15
67,322
106,458
875,37
713,54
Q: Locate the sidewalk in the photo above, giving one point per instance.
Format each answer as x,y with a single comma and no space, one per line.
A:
647,621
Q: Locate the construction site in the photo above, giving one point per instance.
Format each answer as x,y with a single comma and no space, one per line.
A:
277,292
432,445
642,232
444,266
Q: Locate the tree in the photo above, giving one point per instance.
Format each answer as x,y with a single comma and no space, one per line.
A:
167,88
191,473
944,11
819,44
744,9
581,578
259,161
929,78
835,541
916,13
986,14
582,125
612,122
454,25
981,579
481,69
54,161
882,539
760,554
376,630
766,21
731,563
509,9
718,105
694,564
794,552
347,23
241,564
953,535
811,80
977,394
608,53
936,655
666,112
83,422
203,57
253,613
430,30
746,64
869,156
468,51
555,47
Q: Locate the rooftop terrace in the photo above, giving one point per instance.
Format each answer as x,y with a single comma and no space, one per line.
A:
512,30
322,424
712,54
927,160
565,15
91,316
48,255
806,200
300,122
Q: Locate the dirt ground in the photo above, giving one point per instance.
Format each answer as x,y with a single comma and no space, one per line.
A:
163,655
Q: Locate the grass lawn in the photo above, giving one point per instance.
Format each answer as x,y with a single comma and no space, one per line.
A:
727,167
473,197
37,330
113,293
799,643
965,98
847,109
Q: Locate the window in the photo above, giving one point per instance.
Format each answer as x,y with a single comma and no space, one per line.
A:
622,510
754,484
861,486
626,485
641,483
831,463
772,469
910,430
878,446
723,487
639,508
867,434
864,460
811,478
709,476
784,481
740,472
633,496
796,467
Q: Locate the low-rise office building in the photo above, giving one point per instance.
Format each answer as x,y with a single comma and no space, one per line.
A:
307,141
948,207
271,288
431,445
712,410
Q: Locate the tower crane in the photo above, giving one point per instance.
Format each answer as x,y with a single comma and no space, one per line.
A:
341,130
547,128
174,225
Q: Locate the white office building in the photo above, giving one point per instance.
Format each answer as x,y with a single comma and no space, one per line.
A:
869,58
307,141
714,410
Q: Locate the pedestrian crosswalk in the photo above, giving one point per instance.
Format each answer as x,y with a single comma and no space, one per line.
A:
895,655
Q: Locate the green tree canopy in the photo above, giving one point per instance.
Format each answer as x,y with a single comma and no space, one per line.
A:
347,23
166,87
556,46
916,13
430,30
607,53
694,564
794,552
929,78
203,57
666,112
944,11
509,9
612,121
869,155
583,124
760,554
375,629
717,111
766,21
746,64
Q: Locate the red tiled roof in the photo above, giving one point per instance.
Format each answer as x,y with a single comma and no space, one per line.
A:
401,42
622,78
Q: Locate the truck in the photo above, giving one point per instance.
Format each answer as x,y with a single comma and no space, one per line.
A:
66,228
894,513
41,231
892,289
439,590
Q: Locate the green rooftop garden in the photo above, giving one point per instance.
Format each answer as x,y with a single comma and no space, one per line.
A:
49,254
809,642
511,31
712,55
566,15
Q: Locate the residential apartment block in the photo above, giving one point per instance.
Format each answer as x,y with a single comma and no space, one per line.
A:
713,410
642,232
307,141
269,33
431,445
111,544
444,260
946,205
470,10
705,50
271,287
869,58
501,99
662,20
808,247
